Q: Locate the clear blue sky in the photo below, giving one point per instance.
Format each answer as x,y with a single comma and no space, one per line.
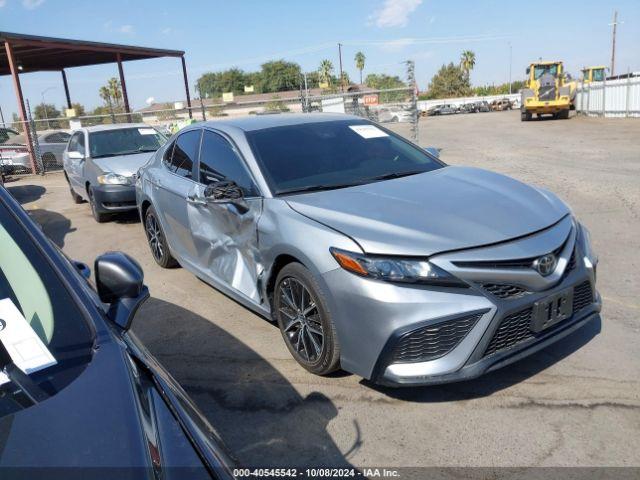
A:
220,34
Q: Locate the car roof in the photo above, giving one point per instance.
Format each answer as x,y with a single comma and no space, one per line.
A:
114,126
260,122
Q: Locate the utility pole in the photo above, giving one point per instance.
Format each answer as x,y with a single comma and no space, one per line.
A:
510,52
613,42
340,56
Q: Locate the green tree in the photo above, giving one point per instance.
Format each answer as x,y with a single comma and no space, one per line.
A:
214,84
360,59
385,82
325,71
46,111
279,76
450,81
467,62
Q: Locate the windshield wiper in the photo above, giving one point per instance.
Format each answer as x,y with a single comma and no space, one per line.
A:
390,176
32,391
316,188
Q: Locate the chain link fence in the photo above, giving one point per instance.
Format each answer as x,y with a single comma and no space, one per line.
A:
47,138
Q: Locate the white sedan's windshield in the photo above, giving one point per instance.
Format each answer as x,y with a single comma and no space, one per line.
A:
124,141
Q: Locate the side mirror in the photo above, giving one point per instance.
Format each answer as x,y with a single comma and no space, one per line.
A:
433,151
227,191
73,155
120,283
224,191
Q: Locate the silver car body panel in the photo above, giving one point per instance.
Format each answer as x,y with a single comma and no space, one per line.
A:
447,209
453,216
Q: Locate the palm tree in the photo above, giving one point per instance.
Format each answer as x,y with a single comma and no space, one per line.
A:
360,58
467,62
325,71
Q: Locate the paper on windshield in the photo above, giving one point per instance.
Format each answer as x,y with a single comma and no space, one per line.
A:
146,131
21,341
368,131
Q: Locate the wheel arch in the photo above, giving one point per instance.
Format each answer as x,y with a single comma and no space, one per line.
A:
279,262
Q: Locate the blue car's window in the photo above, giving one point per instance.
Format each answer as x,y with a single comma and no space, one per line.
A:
28,282
124,141
335,154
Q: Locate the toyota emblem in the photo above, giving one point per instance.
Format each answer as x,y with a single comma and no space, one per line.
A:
546,264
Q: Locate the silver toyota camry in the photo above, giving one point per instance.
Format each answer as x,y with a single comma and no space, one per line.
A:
370,253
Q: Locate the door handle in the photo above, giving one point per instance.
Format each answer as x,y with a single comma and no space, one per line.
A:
194,200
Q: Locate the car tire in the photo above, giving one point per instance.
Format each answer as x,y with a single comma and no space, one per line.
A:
74,196
305,320
157,241
525,116
97,215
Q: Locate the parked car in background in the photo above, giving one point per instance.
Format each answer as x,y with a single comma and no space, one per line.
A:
15,155
370,253
444,109
502,104
101,162
78,391
394,114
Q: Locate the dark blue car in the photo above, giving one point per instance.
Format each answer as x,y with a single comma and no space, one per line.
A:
99,405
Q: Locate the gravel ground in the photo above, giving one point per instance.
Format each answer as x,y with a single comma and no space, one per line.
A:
575,403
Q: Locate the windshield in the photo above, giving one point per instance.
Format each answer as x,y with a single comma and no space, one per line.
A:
125,141
598,75
33,298
6,134
540,70
334,154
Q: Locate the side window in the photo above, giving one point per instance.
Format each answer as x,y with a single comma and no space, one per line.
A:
81,147
184,154
219,161
73,143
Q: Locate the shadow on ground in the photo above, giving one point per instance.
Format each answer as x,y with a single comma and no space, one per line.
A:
259,414
26,193
499,379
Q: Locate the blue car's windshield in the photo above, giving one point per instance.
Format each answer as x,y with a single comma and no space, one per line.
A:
124,141
335,154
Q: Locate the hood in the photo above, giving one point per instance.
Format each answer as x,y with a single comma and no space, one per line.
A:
421,215
98,421
125,165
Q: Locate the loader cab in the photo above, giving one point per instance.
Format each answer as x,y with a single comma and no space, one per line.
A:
594,74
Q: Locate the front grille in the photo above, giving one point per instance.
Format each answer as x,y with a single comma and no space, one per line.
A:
515,328
434,341
504,291
547,93
118,204
512,330
582,296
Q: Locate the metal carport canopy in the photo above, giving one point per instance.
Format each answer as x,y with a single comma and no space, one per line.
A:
31,53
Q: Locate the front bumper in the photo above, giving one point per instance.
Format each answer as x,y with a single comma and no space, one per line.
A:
372,317
114,198
547,106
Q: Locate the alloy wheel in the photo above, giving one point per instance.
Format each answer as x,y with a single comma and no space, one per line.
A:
301,322
154,237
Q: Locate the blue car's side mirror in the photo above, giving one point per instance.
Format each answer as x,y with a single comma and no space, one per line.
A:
433,151
120,283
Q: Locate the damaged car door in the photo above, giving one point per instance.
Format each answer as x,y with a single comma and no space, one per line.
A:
223,214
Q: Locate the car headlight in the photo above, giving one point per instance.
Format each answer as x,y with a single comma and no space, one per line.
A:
113,179
395,269
590,257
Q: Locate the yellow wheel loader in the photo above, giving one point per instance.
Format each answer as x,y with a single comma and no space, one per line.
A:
594,74
548,91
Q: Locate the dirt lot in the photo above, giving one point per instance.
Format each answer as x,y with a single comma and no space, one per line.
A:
576,403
